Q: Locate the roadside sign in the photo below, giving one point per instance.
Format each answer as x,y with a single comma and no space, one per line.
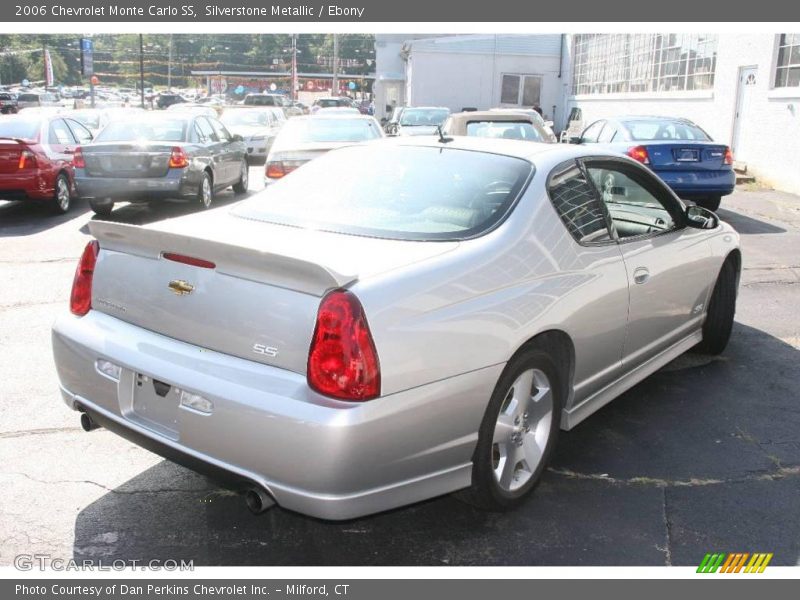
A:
87,56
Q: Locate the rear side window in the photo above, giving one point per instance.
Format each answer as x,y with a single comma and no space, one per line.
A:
60,133
575,201
396,192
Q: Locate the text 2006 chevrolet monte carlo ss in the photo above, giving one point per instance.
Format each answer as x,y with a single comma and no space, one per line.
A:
394,321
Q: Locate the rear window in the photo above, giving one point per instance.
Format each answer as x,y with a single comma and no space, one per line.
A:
509,130
19,128
260,101
423,116
305,131
395,192
662,129
331,102
151,130
28,98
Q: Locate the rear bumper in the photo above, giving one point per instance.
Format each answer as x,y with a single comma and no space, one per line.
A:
177,183
314,455
700,183
28,187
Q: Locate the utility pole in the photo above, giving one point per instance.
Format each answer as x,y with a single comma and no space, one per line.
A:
141,67
335,84
169,65
294,67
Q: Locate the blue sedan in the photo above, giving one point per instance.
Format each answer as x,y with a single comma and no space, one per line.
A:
678,151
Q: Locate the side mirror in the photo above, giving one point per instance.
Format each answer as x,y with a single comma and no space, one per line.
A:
576,140
701,218
237,138
549,124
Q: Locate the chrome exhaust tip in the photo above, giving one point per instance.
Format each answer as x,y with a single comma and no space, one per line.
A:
258,500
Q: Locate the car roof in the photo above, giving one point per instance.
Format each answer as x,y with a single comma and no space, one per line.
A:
535,152
649,118
490,115
347,116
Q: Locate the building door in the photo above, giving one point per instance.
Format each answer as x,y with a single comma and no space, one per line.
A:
748,78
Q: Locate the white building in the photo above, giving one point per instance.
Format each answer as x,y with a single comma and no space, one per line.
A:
743,89
470,71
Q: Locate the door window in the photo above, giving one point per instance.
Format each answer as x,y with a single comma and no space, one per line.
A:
636,205
219,129
83,135
205,131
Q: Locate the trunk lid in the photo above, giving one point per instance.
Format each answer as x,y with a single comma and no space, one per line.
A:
10,151
127,159
687,155
260,300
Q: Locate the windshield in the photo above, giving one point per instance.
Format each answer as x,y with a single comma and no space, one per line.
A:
429,117
661,129
508,130
396,192
19,128
252,118
153,130
304,131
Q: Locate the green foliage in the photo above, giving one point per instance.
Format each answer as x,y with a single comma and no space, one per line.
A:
116,56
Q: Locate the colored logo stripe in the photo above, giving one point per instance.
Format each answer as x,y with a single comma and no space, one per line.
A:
734,562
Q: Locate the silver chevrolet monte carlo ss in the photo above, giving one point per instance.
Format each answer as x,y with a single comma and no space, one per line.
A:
394,321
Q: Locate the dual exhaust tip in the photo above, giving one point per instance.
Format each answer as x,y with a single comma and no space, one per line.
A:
256,498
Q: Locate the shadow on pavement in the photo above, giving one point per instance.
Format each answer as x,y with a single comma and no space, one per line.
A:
638,483
19,219
747,225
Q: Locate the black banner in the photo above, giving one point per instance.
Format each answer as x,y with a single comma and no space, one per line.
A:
467,11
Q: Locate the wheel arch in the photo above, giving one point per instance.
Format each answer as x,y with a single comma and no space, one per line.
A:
559,345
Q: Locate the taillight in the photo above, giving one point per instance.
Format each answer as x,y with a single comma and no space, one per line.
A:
178,158
639,153
77,158
342,360
27,160
728,160
279,168
275,170
80,301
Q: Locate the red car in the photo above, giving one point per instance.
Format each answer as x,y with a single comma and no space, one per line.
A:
36,158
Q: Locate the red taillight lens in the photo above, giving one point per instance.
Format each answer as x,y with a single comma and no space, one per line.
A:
27,160
275,170
728,160
639,153
77,159
80,301
279,168
178,158
342,360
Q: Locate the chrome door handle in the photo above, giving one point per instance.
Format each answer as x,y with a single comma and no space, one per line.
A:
641,275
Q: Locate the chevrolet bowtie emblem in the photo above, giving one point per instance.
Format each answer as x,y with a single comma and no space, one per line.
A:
180,287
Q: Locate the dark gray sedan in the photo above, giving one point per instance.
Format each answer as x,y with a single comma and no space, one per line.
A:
157,156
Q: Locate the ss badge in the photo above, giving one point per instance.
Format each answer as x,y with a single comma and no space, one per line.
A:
265,350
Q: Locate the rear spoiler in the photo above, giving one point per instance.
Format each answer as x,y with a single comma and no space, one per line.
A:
237,261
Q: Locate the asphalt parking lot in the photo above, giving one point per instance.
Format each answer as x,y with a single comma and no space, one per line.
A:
703,456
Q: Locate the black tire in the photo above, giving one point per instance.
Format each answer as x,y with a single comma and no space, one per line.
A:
62,195
101,208
721,309
711,203
205,192
485,491
240,187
